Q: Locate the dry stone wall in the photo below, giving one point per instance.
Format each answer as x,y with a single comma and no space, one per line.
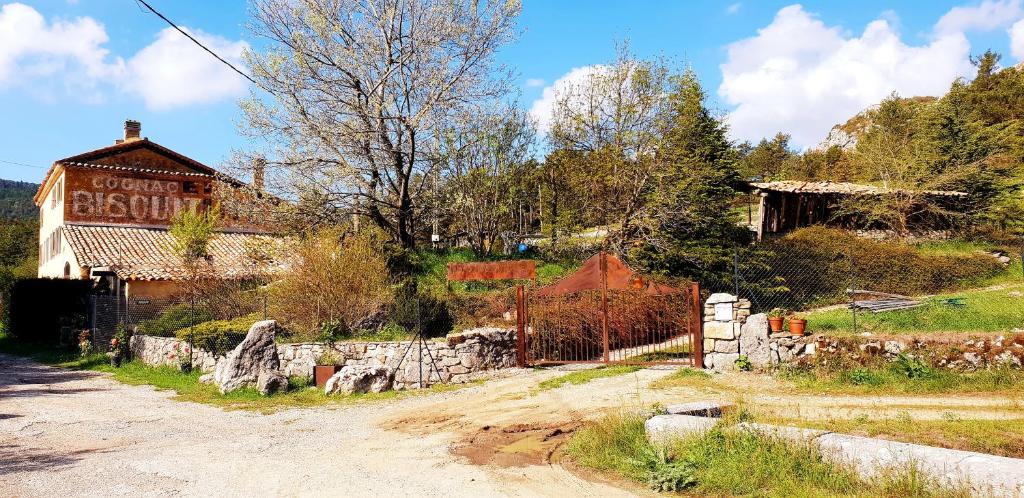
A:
458,358
730,331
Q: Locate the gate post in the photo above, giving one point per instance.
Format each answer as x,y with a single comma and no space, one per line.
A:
520,326
696,325
604,303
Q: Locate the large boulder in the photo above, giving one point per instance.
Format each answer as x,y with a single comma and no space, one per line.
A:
754,340
255,354
360,379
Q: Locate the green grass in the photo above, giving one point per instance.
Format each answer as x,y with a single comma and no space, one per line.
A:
584,376
684,377
901,378
300,394
671,353
188,388
730,462
984,311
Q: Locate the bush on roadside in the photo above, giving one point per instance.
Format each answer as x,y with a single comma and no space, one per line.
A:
218,336
812,266
413,310
334,277
173,319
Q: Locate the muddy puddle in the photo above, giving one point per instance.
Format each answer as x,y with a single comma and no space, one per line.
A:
514,446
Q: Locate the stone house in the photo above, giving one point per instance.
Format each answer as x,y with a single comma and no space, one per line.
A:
105,214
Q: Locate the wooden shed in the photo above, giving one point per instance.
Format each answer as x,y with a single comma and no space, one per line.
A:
788,205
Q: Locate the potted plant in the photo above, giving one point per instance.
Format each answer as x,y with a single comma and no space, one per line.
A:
119,346
115,352
776,317
797,325
183,354
328,363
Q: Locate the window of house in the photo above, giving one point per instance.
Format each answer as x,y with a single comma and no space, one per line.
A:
189,187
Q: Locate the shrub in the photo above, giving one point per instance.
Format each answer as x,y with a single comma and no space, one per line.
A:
413,310
218,336
173,319
334,276
812,266
912,368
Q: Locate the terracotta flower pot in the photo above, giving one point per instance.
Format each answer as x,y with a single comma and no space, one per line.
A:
797,327
321,373
775,322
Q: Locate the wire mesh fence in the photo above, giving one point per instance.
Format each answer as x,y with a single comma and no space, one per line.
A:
853,291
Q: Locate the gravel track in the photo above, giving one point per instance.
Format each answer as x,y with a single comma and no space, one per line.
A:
72,433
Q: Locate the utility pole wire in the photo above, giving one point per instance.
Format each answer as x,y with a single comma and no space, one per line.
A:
197,42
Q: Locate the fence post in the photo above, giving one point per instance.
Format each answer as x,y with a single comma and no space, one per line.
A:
853,287
604,303
520,327
696,325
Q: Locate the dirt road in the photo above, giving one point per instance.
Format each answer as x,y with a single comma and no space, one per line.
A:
65,433
78,433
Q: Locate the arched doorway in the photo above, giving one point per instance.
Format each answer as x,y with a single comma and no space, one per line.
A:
67,270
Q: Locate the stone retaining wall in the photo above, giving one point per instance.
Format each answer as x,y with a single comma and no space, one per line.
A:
731,332
459,358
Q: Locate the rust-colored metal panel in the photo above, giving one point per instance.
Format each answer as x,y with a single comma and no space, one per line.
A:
131,197
524,269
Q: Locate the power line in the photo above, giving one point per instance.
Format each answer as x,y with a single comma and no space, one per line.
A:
197,42
22,164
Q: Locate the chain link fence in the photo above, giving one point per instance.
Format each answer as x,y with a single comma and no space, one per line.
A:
854,290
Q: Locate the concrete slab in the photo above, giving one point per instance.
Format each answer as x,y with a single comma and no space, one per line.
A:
663,428
987,475
786,432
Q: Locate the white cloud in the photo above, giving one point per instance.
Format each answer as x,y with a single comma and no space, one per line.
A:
69,58
541,109
1017,40
34,52
535,82
174,72
799,76
986,16
733,8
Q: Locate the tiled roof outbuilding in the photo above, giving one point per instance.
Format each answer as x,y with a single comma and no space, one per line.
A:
147,254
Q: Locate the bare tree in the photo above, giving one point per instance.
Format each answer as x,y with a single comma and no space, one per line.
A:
360,90
484,161
613,119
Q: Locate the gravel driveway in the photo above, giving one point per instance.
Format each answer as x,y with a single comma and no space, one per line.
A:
71,433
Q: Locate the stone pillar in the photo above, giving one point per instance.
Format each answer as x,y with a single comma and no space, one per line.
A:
724,315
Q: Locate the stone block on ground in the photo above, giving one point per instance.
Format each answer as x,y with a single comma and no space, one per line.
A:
270,382
663,428
754,340
700,408
256,353
360,379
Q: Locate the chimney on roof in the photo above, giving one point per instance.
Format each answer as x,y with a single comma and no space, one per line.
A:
132,129
259,168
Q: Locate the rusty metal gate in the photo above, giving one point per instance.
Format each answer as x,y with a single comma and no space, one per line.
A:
605,313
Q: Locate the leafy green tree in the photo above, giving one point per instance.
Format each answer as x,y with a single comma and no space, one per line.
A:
686,230
767,160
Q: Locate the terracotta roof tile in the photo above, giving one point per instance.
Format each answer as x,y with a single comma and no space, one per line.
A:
146,254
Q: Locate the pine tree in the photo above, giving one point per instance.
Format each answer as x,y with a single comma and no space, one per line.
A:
687,230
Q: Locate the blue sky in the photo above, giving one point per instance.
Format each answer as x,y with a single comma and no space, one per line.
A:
72,71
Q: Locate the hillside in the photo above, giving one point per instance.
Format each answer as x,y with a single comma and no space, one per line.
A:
16,199
845,135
